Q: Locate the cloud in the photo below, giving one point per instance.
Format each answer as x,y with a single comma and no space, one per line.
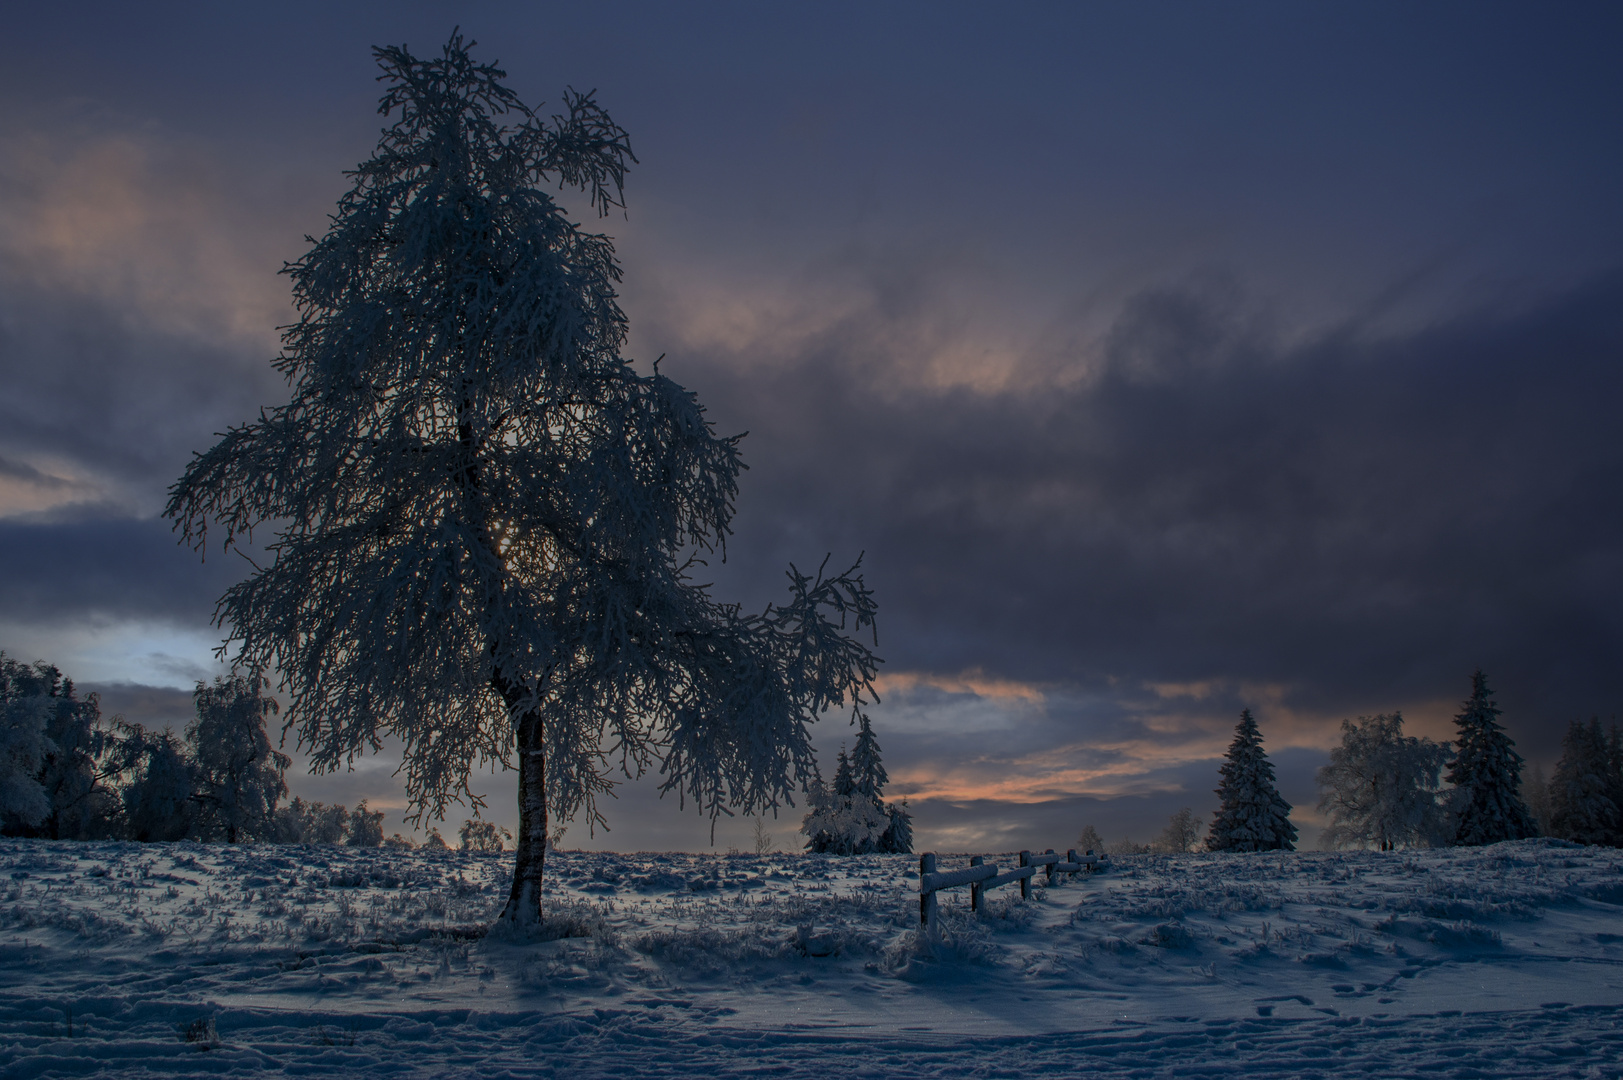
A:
1354,520
99,569
139,300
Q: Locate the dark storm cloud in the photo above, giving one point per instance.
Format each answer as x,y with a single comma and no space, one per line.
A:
68,573
1360,518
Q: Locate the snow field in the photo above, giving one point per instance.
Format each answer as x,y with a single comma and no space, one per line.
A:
1498,961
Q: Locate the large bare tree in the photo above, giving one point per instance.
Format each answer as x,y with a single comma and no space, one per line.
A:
485,519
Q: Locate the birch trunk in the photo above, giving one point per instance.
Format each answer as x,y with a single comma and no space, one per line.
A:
524,901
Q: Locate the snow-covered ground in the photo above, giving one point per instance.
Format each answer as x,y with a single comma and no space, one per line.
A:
1503,961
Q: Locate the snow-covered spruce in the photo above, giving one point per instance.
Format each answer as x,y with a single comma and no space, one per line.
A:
485,516
1486,805
851,817
1251,815
1586,804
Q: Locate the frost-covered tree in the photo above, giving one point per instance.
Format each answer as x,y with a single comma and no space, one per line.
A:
158,801
851,817
1182,833
1582,808
480,835
239,775
485,517
1251,815
868,776
840,820
1090,840
54,748
1486,804
898,836
365,827
301,822
24,749
1381,786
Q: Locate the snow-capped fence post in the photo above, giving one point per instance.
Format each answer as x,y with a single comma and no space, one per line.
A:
926,894
1025,882
975,887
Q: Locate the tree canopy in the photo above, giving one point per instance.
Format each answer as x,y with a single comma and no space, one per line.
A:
486,519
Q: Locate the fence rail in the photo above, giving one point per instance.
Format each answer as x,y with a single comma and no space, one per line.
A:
980,875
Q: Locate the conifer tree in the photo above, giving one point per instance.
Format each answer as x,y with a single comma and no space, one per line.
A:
868,776
898,838
1486,773
485,516
1251,815
850,816
1581,805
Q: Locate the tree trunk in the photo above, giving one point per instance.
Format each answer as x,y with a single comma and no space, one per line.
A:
524,902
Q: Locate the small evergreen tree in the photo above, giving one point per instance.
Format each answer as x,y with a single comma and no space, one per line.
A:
898,838
868,776
1581,806
1251,815
851,817
1381,786
1486,774
239,775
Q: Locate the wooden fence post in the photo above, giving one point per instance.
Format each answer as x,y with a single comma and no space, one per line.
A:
1049,869
926,897
1070,857
1025,882
976,890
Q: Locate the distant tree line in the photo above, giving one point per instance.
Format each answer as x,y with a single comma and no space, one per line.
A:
67,773
1383,789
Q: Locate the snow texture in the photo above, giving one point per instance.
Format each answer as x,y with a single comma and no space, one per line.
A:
185,959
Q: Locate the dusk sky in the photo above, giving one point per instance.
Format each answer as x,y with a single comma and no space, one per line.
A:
1164,359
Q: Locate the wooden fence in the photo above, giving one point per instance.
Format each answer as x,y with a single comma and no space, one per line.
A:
980,876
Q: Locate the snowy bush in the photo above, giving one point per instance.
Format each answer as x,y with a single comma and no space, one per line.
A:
487,836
